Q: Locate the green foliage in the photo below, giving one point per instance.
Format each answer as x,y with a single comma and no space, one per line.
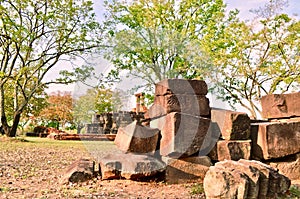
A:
35,37
96,100
252,62
294,191
197,189
154,40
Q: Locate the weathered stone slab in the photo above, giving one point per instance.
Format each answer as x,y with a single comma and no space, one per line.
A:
181,86
244,179
233,125
79,171
281,105
275,139
252,173
223,183
130,166
233,150
184,170
272,183
190,104
138,139
289,167
182,134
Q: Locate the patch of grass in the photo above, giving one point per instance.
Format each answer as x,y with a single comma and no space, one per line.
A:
111,193
295,191
197,189
4,189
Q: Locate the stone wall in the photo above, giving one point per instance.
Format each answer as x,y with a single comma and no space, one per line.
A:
109,123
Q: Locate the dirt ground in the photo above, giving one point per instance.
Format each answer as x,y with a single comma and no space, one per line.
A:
32,168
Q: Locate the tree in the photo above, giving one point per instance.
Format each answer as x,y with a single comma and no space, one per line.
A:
34,37
158,39
253,61
59,109
96,100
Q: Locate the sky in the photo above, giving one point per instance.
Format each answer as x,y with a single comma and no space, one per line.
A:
243,5
246,5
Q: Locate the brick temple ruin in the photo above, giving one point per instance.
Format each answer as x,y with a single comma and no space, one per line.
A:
109,123
186,140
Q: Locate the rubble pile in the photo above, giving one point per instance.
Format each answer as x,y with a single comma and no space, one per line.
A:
186,140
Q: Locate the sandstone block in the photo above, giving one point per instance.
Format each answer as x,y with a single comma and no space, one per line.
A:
130,166
272,183
182,134
79,171
289,167
275,139
251,172
190,104
233,125
138,139
181,86
244,179
184,170
222,183
281,105
233,149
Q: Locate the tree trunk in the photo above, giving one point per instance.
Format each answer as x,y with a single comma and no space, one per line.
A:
14,128
11,131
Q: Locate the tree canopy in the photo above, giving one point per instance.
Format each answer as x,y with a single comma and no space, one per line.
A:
95,101
158,39
59,109
34,37
257,59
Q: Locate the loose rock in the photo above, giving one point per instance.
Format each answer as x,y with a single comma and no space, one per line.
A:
79,171
130,166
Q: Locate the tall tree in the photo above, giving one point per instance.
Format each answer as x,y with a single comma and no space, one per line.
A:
158,39
34,37
256,60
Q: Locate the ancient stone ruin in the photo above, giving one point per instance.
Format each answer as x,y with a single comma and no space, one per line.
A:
185,140
244,179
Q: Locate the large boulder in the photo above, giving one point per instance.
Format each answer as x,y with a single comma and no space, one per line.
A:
275,139
182,134
281,105
130,166
137,138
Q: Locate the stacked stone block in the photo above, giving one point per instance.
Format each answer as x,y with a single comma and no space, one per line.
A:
179,124
178,95
182,113
276,140
234,130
